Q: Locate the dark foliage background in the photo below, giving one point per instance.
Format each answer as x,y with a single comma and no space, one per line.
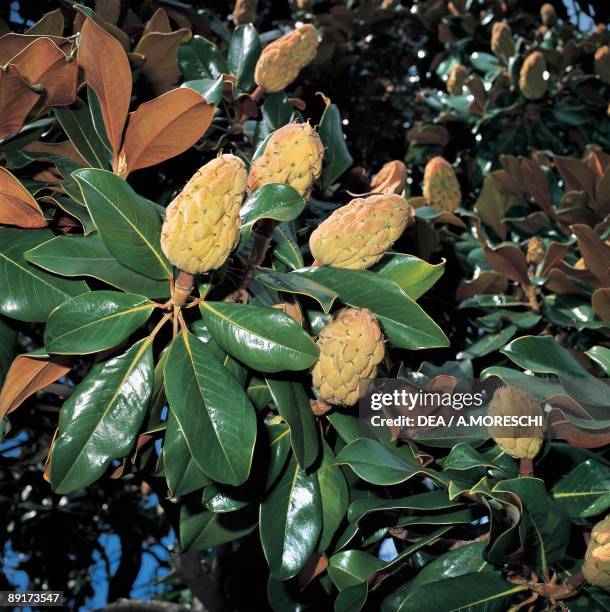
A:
375,72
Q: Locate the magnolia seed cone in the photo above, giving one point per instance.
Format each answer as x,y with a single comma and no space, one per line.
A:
508,401
281,61
502,42
457,80
441,187
351,347
391,178
602,64
245,11
293,156
532,81
201,226
358,234
596,568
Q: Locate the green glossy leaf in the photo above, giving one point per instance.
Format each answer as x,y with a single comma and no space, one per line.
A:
88,256
200,59
210,89
295,283
244,50
286,246
182,473
404,322
291,521
337,158
377,464
466,592
350,567
462,560
334,493
584,491
212,410
99,422
547,529
26,292
129,225
74,209
205,529
265,339
95,109
544,355
601,355
276,112
95,321
271,201
65,166
293,405
413,275
488,343
78,126
430,500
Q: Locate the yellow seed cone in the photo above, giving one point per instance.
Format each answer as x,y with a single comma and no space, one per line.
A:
202,224
457,80
506,402
502,42
358,234
293,156
351,347
441,187
281,61
391,178
596,567
532,81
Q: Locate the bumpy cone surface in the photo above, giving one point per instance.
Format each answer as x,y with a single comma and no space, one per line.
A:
532,81
535,250
508,401
502,42
244,11
202,224
391,178
548,15
441,187
281,61
357,235
457,80
351,346
602,64
293,156
596,568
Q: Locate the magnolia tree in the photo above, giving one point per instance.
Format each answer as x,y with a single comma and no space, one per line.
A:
195,272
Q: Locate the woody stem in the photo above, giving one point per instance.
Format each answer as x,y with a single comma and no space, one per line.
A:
183,287
262,235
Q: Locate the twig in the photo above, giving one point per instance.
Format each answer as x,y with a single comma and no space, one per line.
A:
262,235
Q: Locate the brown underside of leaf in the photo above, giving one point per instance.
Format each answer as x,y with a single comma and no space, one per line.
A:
26,376
161,64
17,206
163,128
110,79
